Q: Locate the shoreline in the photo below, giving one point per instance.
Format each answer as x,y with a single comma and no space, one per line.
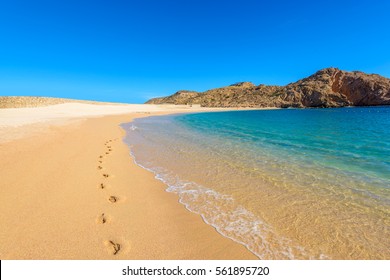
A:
192,155
65,214
186,206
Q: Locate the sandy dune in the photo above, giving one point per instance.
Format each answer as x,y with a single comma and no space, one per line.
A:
61,112
36,119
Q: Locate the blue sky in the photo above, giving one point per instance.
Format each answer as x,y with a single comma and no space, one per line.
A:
130,51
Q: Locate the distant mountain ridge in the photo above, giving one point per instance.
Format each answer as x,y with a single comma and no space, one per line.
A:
329,87
38,101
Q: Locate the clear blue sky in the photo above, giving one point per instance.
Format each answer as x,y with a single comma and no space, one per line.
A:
130,51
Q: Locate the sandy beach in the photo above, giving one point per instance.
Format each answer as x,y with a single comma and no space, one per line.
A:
70,190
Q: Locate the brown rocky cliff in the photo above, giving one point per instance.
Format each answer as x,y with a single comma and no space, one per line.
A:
362,89
329,87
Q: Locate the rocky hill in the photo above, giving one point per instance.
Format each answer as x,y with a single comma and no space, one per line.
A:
329,87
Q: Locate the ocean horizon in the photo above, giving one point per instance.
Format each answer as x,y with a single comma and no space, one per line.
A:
287,184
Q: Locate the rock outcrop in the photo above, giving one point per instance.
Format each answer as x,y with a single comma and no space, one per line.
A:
329,87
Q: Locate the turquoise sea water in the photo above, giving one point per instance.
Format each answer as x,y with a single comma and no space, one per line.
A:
292,183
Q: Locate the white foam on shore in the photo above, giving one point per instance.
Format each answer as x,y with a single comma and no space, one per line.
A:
230,220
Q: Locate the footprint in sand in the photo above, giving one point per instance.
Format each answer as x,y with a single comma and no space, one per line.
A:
100,156
113,199
102,186
100,167
105,175
102,219
115,247
107,153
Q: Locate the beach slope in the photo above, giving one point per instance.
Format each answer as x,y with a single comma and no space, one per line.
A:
70,190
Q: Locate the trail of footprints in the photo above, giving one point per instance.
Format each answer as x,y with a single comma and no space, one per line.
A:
102,218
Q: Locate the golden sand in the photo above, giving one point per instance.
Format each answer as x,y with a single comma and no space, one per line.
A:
72,191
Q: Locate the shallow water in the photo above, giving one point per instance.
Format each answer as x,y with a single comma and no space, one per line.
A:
288,184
